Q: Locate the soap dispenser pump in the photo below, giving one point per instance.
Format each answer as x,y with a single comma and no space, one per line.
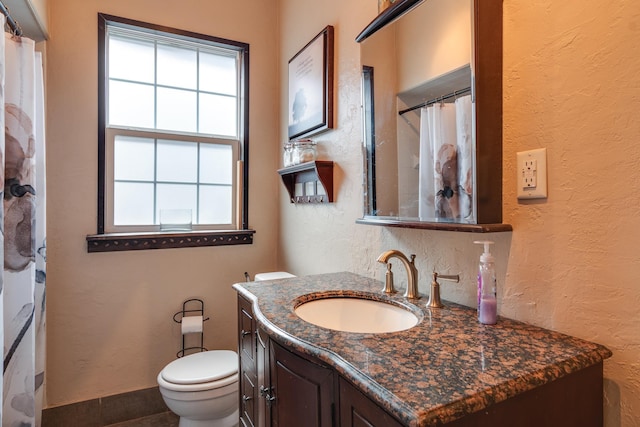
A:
487,292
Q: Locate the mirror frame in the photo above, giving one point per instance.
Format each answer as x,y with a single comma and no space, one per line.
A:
393,12
487,89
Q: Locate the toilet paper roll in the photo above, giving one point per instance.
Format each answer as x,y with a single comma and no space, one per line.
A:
191,324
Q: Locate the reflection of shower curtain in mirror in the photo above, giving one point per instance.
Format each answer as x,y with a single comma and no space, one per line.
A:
425,184
464,127
446,168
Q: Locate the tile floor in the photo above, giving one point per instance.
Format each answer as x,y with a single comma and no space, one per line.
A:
164,419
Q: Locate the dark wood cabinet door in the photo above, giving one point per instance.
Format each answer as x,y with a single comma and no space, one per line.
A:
357,410
246,331
248,399
303,390
249,393
262,360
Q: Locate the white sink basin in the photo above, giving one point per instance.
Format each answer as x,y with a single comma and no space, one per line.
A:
353,314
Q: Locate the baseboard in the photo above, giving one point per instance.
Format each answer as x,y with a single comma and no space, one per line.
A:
106,410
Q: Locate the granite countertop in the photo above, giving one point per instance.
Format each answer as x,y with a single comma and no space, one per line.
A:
447,366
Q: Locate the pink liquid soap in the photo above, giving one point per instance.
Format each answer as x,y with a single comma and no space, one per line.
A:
488,310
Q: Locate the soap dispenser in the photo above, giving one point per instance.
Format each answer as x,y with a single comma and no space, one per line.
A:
487,299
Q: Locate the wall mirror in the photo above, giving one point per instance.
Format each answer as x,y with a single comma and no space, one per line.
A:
432,110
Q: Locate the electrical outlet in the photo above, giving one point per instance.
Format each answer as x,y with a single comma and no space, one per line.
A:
532,174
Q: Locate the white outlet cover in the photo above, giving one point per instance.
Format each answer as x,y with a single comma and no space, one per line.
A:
532,180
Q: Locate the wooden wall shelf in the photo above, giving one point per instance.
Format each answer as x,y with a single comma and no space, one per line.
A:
442,226
310,182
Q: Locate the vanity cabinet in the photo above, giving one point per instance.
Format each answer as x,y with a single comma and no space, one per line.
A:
446,370
302,391
281,388
278,387
357,410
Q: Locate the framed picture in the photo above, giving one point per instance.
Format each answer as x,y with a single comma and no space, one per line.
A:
311,87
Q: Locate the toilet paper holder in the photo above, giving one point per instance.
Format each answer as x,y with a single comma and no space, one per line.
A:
199,310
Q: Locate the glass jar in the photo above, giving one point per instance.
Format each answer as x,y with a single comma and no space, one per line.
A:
304,151
287,156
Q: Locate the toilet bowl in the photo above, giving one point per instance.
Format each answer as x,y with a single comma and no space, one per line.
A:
202,389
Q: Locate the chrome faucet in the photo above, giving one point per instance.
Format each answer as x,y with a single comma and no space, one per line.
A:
412,271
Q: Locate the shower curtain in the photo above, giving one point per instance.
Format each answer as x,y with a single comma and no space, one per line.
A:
22,294
446,161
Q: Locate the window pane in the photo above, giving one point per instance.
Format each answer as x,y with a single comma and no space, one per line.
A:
218,115
130,104
133,158
133,203
177,196
218,74
216,164
177,161
177,66
177,110
131,59
172,111
215,204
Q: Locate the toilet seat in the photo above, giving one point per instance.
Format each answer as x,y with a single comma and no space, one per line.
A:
201,371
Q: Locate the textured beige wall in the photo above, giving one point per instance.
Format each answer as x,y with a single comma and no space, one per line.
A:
571,263
110,327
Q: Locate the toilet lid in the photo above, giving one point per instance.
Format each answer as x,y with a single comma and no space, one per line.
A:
201,367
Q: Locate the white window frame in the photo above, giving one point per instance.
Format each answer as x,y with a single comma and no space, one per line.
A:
107,134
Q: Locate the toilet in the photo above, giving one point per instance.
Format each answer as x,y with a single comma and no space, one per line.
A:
202,388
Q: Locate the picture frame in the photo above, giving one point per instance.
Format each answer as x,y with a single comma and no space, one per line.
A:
310,107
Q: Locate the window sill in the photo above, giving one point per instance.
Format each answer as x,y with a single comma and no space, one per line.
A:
116,242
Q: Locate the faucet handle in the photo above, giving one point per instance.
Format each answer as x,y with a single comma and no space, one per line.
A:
388,287
434,297
449,277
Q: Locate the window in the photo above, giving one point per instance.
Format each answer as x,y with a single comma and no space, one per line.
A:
173,130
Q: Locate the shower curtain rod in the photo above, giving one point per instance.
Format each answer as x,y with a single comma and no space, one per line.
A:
438,99
13,24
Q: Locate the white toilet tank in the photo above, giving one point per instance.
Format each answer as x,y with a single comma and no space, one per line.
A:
272,275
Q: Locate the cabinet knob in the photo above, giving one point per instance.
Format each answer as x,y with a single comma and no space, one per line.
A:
245,333
265,392
246,398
